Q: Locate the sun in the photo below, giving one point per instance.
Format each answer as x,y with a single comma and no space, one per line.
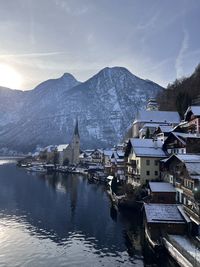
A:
9,77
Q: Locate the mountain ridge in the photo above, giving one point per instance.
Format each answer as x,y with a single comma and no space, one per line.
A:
105,104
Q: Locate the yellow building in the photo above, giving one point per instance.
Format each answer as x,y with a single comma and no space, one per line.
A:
142,160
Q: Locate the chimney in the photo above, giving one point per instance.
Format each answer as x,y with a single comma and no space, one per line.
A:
155,140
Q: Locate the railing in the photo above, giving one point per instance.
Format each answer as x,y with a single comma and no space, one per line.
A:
194,213
179,253
187,191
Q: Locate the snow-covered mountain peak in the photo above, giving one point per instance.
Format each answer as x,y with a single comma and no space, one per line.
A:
105,104
68,77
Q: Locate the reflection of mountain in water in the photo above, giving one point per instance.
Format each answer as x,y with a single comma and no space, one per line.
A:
60,207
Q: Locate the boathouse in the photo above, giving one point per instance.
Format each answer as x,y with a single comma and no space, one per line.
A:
162,219
161,192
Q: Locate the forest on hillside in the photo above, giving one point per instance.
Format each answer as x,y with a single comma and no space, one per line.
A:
181,93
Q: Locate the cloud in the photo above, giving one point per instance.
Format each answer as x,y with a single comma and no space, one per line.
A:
151,23
181,55
42,54
71,9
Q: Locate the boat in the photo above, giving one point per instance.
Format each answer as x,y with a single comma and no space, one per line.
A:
37,169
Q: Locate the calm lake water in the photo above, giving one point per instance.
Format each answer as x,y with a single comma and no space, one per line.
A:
61,220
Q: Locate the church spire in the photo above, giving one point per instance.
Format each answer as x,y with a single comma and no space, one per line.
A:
76,131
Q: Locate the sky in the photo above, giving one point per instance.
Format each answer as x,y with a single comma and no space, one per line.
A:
42,39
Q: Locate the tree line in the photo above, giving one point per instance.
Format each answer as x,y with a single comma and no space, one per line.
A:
181,93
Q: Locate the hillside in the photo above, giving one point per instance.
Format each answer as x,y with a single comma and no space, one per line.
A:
105,106
181,93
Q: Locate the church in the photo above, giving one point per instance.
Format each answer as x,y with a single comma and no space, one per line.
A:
69,153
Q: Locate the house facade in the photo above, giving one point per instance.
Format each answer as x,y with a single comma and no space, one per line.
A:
192,116
142,158
183,171
182,143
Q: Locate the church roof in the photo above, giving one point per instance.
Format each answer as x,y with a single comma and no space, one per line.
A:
76,131
158,117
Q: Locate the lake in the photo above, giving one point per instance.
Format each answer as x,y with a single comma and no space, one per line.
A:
62,220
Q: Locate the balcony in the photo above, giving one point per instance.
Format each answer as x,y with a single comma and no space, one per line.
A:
132,163
187,191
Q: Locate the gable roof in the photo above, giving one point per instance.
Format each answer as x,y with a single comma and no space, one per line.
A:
163,213
193,169
108,153
182,137
165,128
60,148
184,158
195,110
147,148
170,117
161,187
188,157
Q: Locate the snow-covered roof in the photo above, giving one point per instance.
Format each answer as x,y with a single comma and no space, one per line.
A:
158,117
120,160
194,109
150,125
108,153
193,169
62,147
147,148
188,157
137,142
165,128
120,153
88,152
161,187
150,152
186,135
163,213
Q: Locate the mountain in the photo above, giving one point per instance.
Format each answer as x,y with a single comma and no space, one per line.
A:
105,106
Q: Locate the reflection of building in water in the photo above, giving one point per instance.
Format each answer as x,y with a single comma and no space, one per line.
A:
73,195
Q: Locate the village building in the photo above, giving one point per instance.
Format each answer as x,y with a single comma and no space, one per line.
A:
107,155
192,117
183,171
162,219
64,154
142,158
151,118
162,132
181,143
118,165
97,156
162,192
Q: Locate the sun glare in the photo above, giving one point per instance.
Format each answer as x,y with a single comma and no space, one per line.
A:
9,77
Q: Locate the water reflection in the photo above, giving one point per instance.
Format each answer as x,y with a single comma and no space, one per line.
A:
59,220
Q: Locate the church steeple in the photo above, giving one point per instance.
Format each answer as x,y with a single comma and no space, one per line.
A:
152,104
76,131
75,145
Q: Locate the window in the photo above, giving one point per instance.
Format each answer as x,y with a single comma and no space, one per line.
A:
148,162
156,162
148,173
156,173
